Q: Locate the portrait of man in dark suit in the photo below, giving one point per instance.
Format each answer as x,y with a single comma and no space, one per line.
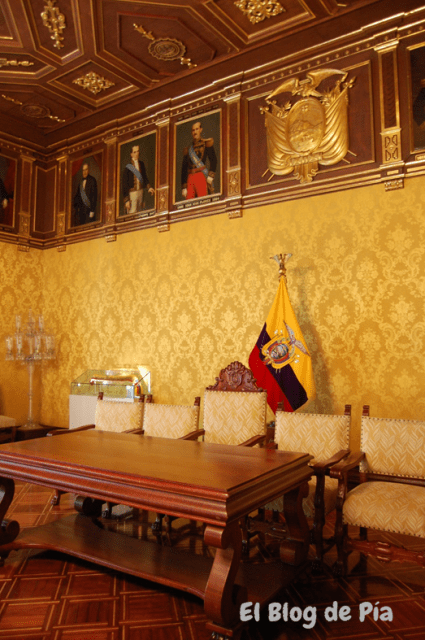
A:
85,198
86,190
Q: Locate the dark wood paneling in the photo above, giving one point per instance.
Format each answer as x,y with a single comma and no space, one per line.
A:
44,203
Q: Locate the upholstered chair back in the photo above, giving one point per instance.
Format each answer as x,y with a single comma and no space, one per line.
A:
232,417
393,447
170,421
319,435
118,416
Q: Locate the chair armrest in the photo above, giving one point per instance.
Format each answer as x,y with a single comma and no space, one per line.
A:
253,441
193,435
321,467
342,468
137,431
272,445
58,432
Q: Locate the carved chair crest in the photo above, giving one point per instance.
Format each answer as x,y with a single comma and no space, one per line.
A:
235,377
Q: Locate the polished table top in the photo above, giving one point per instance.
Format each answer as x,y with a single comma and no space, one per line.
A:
217,483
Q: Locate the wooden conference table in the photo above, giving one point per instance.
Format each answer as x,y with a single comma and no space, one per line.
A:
214,484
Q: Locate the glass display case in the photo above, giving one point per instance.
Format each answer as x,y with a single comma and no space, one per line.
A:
115,383
120,385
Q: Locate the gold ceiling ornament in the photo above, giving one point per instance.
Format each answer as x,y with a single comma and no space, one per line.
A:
11,99
167,49
93,82
145,34
258,10
34,110
54,20
311,131
4,62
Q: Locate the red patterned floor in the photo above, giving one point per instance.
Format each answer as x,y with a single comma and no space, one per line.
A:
47,596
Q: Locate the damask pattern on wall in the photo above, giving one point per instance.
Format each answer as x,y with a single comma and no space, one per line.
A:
188,302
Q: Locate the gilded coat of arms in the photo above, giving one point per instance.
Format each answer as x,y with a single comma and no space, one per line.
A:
311,131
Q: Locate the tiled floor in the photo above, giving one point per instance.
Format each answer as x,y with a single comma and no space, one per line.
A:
47,596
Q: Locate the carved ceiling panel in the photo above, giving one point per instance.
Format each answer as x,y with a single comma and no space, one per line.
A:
36,107
256,18
55,27
93,84
8,32
81,56
156,43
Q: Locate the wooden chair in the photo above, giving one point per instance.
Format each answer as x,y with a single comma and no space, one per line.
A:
120,417
326,438
170,421
390,494
235,408
7,429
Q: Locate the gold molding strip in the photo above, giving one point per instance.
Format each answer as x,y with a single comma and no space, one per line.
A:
4,62
391,185
93,82
54,20
258,10
11,99
166,49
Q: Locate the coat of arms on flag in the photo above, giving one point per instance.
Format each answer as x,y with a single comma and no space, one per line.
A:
280,360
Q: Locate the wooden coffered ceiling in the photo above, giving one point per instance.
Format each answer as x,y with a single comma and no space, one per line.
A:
71,67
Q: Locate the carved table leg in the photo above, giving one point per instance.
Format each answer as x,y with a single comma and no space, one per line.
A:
9,529
294,549
222,597
90,507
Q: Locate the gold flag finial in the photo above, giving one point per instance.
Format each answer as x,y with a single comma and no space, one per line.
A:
281,260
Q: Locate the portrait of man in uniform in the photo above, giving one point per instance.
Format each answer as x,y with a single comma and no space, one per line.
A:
7,189
137,175
86,190
199,165
198,157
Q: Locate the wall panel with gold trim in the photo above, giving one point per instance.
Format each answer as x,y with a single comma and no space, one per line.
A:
374,75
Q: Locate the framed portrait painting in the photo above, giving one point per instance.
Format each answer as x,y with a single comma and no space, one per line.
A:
136,176
86,190
7,190
198,160
417,63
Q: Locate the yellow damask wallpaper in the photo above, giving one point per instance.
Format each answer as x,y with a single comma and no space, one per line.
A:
21,287
189,301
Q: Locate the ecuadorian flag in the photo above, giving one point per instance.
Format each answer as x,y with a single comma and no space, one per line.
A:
280,361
